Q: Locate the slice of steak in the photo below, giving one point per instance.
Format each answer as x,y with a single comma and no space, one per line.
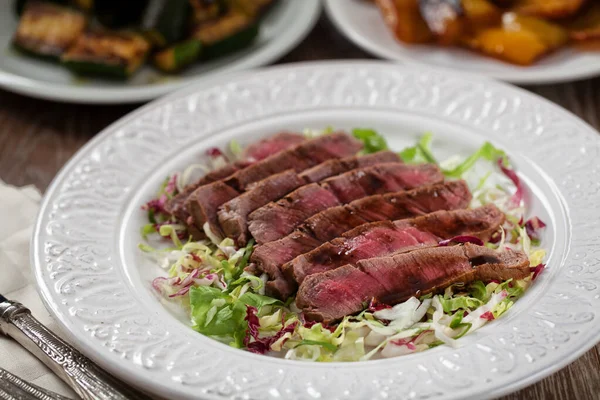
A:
339,166
253,153
382,238
335,221
233,215
176,205
203,203
271,145
270,257
331,295
300,157
275,220
331,223
382,178
481,222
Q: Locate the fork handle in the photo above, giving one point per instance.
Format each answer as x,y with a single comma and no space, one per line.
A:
13,387
81,374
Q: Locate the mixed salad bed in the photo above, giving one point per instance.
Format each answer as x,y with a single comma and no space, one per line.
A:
207,278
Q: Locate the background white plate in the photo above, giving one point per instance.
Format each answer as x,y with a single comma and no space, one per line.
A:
283,28
97,284
362,23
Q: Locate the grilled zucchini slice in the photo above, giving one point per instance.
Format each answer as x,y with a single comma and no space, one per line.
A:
233,31
47,29
107,54
168,24
178,56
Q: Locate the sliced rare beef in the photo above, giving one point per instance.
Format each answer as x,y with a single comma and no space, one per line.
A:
275,220
298,158
233,217
331,223
271,256
331,295
382,238
339,166
253,153
271,145
205,201
233,214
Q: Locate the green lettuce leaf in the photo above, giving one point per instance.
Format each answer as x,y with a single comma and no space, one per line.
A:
257,300
487,151
419,153
217,313
372,140
462,302
326,345
478,290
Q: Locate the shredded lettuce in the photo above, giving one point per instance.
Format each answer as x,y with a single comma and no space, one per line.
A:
226,301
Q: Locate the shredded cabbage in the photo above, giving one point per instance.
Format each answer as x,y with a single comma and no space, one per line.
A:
225,301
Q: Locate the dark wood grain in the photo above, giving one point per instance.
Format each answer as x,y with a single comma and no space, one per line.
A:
37,137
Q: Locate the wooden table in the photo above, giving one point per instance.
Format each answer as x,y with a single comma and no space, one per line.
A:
37,137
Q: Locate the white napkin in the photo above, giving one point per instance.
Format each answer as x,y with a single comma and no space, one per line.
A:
18,210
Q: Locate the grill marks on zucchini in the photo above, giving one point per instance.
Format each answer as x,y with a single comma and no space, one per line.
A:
108,54
230,33
47,29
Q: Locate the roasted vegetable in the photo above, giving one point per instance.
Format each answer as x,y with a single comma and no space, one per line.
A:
107,54
47,29
119,13
444,19
231,32
548,8
404,19
178,56
520,40
206,10
168,24
480,13
586,25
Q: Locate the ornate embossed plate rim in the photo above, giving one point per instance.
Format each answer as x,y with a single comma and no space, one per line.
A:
295,379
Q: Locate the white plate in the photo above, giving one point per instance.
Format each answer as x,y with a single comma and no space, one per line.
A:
97,284
283,28
361,22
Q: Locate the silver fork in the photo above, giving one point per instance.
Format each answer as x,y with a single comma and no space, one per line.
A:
14,388
85,378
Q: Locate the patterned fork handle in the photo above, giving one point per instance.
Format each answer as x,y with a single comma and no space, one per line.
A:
13,387
84,377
